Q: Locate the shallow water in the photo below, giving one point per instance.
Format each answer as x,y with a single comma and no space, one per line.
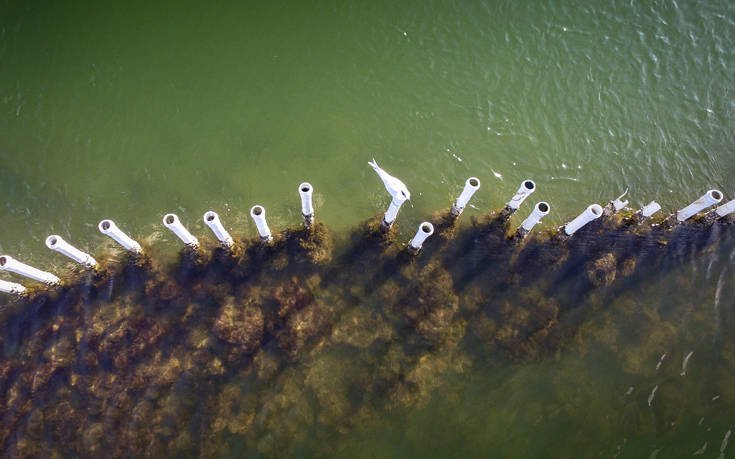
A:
133,111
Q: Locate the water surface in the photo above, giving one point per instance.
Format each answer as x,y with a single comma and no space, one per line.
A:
132,111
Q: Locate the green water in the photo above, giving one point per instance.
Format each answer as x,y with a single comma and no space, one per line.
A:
134,110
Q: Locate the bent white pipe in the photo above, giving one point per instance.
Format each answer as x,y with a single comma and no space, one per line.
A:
58,244
109,228
470,187
650,209
541,210
591,213
171,221
307,208
726,209
392,213
425,230
11,287
525,190
618,203
710,198
258,214
211,219
8,263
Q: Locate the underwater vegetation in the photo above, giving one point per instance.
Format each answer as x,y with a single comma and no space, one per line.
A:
254,342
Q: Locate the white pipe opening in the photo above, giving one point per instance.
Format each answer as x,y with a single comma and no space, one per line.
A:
58,244
109,228
11,287
650,209
258,214
8,263
211,219
307,207
591,213
470,187
392,213
525,190
541,210
171,221
726,209
710,198
425,230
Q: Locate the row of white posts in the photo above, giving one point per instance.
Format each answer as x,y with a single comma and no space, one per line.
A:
257,212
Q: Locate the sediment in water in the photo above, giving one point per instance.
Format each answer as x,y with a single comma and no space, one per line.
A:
261,340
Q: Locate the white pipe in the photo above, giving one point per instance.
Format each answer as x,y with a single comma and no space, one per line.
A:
109,228
618,202
470,187
392,213
425,230
709,198
258,214
8,263
58,244
592,212
726,209
211,219
306,191
650,209
11,287
524,191
539,211
171,221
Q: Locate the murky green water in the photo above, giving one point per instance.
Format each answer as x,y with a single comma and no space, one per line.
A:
132,111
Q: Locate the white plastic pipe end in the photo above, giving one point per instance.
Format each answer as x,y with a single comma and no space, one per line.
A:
392,213
726,209
591,213
8,263
58,244
524,191
109,228
539,211
257,212
618,203
306,191
650,209
12,288
470,187
425,230
171,221
710,198
211,219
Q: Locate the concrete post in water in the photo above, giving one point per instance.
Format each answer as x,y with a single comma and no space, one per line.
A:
425,230
525,190
211,219
8,263
591,213
56,243
258,214
726,209
11,287
710,198
109,228
539,211
470,187
307,208
171,221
